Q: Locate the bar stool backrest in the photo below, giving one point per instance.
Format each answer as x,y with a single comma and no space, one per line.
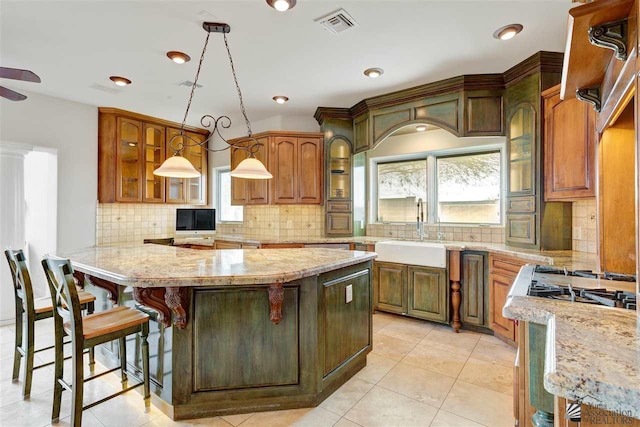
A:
64,295
23,290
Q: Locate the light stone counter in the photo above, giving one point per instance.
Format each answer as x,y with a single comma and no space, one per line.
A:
592,352
151,265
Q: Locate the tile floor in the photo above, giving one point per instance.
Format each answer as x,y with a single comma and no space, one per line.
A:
419,374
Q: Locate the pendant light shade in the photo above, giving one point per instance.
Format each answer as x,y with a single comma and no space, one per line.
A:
251,168
177,167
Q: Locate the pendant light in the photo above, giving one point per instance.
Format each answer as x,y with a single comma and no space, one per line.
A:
179,167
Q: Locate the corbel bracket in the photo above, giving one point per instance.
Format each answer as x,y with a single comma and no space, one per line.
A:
611,35
590,95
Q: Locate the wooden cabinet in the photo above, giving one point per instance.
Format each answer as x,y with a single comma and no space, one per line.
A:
569,148
361,134
474,289
390,287
416,291
131,146
224,244
128,160
190,191
345,321
294,159
339,187
428,293
502,272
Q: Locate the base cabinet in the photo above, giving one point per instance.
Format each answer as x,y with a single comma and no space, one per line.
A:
502,272
474,289
411,290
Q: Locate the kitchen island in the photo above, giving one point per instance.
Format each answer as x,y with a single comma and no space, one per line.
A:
240,330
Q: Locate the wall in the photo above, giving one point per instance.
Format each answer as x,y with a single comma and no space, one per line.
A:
584,226
72,130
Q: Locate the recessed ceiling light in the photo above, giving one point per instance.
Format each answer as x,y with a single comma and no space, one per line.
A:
281,5
421,128
120,81
280,99
373,72
507,32
178,57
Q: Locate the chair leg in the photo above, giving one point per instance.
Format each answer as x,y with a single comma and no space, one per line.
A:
123,361
77,387
17,356
145,367
58,374
92,354
28,365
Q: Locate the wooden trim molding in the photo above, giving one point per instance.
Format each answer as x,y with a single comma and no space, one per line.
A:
111,288
173,297
154,298
150,119
590,95
456,299
611,35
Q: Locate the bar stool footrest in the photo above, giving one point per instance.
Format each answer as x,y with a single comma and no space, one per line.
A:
97,402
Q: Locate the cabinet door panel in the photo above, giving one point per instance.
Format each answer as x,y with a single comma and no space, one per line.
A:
174,186
390,287
154,155
239,186
345,324
498,289
284,167
473,289
129,160
309,171
428,293
569,151
339,223
521,228
196,188
258,189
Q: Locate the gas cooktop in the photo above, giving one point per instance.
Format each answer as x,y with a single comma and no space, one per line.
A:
610,289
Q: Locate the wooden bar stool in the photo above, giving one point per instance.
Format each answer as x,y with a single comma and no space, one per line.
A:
86,332
29,311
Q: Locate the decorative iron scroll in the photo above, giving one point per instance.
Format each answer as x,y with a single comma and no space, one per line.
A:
590,95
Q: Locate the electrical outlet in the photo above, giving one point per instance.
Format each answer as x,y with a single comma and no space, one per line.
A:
349,294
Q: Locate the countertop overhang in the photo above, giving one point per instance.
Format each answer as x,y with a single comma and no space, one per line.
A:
150,266
592,352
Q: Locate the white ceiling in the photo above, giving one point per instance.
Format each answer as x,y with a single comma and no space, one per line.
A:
75,44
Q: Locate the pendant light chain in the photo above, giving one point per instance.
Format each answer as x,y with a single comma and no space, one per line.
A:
195,82
235,78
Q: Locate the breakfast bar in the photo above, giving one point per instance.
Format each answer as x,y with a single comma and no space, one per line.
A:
240,330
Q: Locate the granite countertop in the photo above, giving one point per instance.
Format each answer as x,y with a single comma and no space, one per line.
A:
159,266
593,352
570,259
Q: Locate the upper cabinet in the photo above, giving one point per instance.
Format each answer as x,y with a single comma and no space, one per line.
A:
569,148
131,146
294,159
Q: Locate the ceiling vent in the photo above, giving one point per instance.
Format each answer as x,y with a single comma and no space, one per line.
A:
107,89
189,83
337,22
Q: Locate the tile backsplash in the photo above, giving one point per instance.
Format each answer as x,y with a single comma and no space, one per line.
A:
133,222
584,226
485,234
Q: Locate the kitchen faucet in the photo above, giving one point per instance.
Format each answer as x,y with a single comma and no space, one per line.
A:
420,220
441,235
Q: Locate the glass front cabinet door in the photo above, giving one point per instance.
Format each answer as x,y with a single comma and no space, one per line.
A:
521,150
129,160
339,188
153,158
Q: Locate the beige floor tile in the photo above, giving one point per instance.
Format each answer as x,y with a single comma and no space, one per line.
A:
386,408
488,374
346,396
447,419
390,347
237,419
345,423
11,392
420,384
437,360
33,412
164,421
380,320
462,343
125,410
411,330
377,367
480,404
492,352
88,420
313,417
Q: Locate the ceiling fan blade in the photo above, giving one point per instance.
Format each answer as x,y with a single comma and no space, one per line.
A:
16,74
11,95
